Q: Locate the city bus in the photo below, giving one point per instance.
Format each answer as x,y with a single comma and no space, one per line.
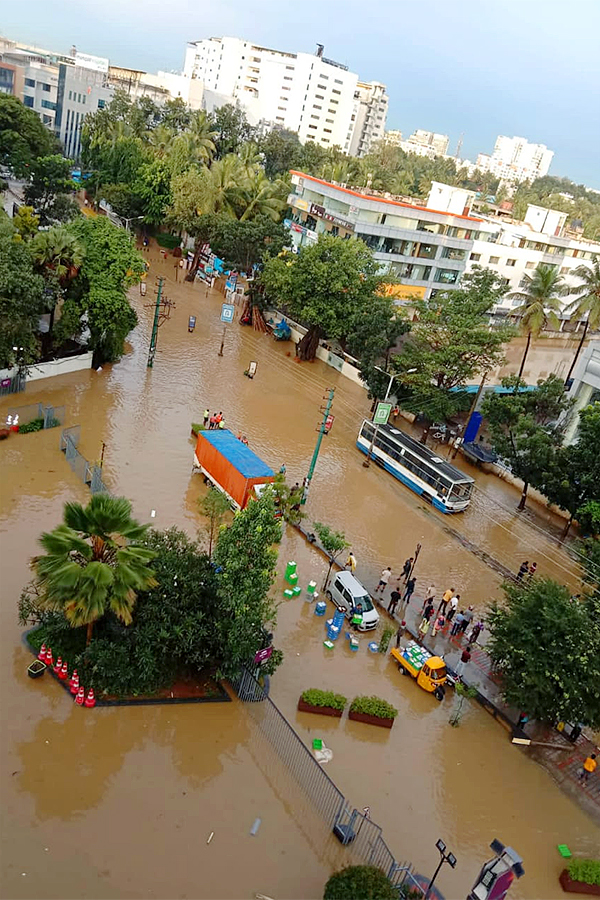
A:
418,467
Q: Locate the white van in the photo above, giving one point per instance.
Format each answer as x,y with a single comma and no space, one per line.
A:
347,592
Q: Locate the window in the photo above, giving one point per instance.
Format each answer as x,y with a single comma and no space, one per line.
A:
337,81
46,87
329,120
475,257
315,117
287,78
281,108
322,87
494,260
284,88
336,92
453,253
289,68
334,101
279,119
427,251
316,106
313,126
327,130
28,101
511,262
29,82
446,276
530,265
326,77
285,99
318,97
48,104
101,104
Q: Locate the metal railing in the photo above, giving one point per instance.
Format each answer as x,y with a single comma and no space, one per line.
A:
13,384
355,830
52,416
88,473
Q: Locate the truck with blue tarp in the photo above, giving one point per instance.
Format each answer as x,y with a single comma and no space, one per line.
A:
230,465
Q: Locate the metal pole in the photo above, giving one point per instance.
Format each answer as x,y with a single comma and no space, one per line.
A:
154,337
416,556
222,341
366,463
435,875
457,442
313,462
102,454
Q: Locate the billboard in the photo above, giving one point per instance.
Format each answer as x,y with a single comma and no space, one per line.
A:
403,291
97,63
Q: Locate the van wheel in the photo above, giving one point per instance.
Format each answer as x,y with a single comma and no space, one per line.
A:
328,595
438,694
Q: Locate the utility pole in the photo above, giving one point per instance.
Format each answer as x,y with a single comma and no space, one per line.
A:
162,311
458,440
322,430
367,463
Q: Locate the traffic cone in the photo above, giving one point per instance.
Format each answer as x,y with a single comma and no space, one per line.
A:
90,700
58,665
64,672
80,696
48,656
74,683
42,654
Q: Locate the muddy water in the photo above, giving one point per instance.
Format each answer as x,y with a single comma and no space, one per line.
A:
191,770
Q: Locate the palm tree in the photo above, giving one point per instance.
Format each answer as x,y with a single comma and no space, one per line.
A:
263,197
59,257
202,135
587,303
540,298
93,562
160,140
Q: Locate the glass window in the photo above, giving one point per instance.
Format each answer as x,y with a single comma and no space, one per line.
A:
101,104
46,87
30,82
48,104
28,101
446,276
475,257
511,262
530,265
454,253
431,227
494,260
427,251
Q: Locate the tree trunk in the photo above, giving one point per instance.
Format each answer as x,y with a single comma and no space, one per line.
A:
88,634
425,435
567,527
326,582
578,351
306,349
521,505
524,358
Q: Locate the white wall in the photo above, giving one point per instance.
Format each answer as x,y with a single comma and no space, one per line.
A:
54,367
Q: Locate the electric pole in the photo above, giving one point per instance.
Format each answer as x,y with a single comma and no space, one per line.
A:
323,429
162,312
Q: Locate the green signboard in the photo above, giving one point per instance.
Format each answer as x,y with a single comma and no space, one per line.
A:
382,413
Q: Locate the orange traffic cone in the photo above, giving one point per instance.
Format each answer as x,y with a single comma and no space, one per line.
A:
48,657
74,683
90,700
64,672
42,654
80,696
58,665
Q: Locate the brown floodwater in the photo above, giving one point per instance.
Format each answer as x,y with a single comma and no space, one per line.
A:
120,802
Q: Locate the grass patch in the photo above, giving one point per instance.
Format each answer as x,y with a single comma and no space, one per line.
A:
168,241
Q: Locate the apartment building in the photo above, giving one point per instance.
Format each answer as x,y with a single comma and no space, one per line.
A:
427,248
370,111
515,160
437,143
82,88
309,94
31,75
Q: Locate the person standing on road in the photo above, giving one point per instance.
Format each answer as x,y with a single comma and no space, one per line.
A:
424,627
532,571
429,593
588,768
400,632
467,619
410,588
460,665
351,562
428,611
458,623
475,632
406,569
446,597
438,624
383,580
394,600
524,568
453,607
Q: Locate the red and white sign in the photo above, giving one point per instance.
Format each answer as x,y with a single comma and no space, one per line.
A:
263,655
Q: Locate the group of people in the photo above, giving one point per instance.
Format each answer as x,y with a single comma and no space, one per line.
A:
217,420
526,569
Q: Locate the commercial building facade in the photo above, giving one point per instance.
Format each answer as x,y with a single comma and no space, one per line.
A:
82,88
584,388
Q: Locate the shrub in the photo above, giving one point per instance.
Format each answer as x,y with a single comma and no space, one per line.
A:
386,637
197,426
315,697
359,883
374,706
586,870
169,241
34,425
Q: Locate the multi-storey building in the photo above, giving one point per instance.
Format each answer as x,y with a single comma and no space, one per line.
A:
82,88
437,143
429,247
370,111
393,137
309,94
515,159
31,75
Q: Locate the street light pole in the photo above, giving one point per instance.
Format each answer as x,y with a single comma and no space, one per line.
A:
322,430
367,463
444,857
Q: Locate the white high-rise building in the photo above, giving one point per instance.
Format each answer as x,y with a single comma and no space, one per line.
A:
370,111
437,143
309,94
515,159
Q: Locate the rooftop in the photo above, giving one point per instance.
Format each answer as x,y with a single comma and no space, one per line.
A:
239,455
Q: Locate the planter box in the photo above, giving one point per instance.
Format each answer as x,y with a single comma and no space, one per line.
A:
320,710
577,887
36,668
370,720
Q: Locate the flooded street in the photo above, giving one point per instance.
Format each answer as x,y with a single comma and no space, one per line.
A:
125,798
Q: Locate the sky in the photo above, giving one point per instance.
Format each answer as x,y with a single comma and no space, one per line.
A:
479,67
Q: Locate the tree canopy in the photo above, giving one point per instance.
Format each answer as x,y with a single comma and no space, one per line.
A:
23,138
21,299
546,647
48,190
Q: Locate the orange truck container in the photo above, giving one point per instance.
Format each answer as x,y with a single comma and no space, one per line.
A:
230,465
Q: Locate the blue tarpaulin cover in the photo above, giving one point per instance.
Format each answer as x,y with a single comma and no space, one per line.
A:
239,455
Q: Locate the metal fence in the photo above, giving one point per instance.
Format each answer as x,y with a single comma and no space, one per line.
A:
52,416
13,384
355,830
88,473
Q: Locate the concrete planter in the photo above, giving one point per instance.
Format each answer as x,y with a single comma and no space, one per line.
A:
319,710
577,887
370,720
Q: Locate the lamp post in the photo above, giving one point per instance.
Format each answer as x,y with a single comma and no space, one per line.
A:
444,857
131,219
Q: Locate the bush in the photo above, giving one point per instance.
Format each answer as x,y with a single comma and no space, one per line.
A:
374,706
168,241
586,870
315,697
30,427
386,637
359,883
196,427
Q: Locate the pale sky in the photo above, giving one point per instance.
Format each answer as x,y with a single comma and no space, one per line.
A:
482,67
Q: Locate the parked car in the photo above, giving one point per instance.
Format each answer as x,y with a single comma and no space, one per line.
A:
347,593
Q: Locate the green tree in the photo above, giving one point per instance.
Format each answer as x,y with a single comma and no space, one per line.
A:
243,244
23,138
98,294
245,552
523,428
175,115
334,543
586,304
540,301
231,129
547,650
153,187
21,299
360,883
588,516
450,343
281,151
327,287
59,257
213,507
94,562
50,182
26,223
